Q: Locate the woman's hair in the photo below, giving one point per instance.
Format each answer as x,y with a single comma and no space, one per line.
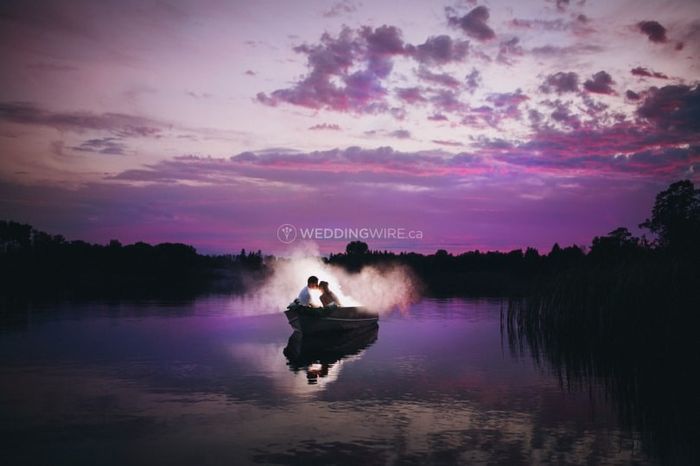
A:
323,285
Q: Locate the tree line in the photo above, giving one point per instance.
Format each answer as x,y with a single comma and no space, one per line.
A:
33,262
673,226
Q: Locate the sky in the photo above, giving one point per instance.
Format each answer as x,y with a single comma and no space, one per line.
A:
482,125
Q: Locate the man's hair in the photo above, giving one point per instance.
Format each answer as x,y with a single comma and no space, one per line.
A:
313,280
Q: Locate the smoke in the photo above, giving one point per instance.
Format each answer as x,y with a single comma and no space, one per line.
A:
380,289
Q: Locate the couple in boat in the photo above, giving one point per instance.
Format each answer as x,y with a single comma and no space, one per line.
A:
328,298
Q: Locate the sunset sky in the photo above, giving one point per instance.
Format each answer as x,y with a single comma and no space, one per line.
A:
490,125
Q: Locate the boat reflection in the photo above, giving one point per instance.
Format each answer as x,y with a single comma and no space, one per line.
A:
320,356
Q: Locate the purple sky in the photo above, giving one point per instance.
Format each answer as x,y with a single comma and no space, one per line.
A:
491,125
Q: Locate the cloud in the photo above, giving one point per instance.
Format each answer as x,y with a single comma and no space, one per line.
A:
690,37
108,145
631,95
444,142
410,95
331,84
350,72
507,99
447,100
621,149
302,168
561,4
562,114
641,71
672,108
579,25
120,124
663,141
442,79
473,23
439,50
437,117
508,49
543,24
653,30
601,83
332,57
198,95
556,51
325,126
593,107
343,7
365,88
400,134
383,41
624,149
472,80
561,82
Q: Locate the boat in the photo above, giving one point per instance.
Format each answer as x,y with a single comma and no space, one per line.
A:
313,320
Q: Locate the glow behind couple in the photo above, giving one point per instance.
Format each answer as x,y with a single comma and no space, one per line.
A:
379,289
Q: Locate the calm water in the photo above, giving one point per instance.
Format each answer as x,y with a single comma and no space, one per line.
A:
204,383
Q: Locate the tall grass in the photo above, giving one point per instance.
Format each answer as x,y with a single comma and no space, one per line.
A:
630,327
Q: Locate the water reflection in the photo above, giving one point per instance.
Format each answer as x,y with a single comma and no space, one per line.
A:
321,356
207,384
642,373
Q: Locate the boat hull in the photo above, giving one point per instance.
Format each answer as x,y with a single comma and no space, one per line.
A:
324,320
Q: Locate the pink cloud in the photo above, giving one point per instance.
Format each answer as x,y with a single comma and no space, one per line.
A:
644,72
442,79
437,117
473,24
120,124
295,167
600,83
673,109
439,50
410,95
325,126
653,30
561,82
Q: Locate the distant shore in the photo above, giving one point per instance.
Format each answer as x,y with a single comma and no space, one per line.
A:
37,264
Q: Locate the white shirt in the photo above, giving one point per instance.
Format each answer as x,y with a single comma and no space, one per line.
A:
304,297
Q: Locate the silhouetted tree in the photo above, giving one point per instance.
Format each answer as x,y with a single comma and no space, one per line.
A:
617,244
532,255
675,218
356,248
556,249
15,235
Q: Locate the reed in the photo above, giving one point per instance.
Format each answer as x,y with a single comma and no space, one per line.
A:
629,328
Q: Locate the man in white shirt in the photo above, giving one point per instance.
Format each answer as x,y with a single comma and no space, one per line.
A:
304,297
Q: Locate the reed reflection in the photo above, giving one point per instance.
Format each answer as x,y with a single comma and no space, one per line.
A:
643,372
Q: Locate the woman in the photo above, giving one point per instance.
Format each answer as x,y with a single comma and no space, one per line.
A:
328,298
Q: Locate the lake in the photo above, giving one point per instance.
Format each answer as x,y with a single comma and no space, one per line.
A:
204,382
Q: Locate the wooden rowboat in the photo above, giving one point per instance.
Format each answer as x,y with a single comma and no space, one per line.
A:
310,320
